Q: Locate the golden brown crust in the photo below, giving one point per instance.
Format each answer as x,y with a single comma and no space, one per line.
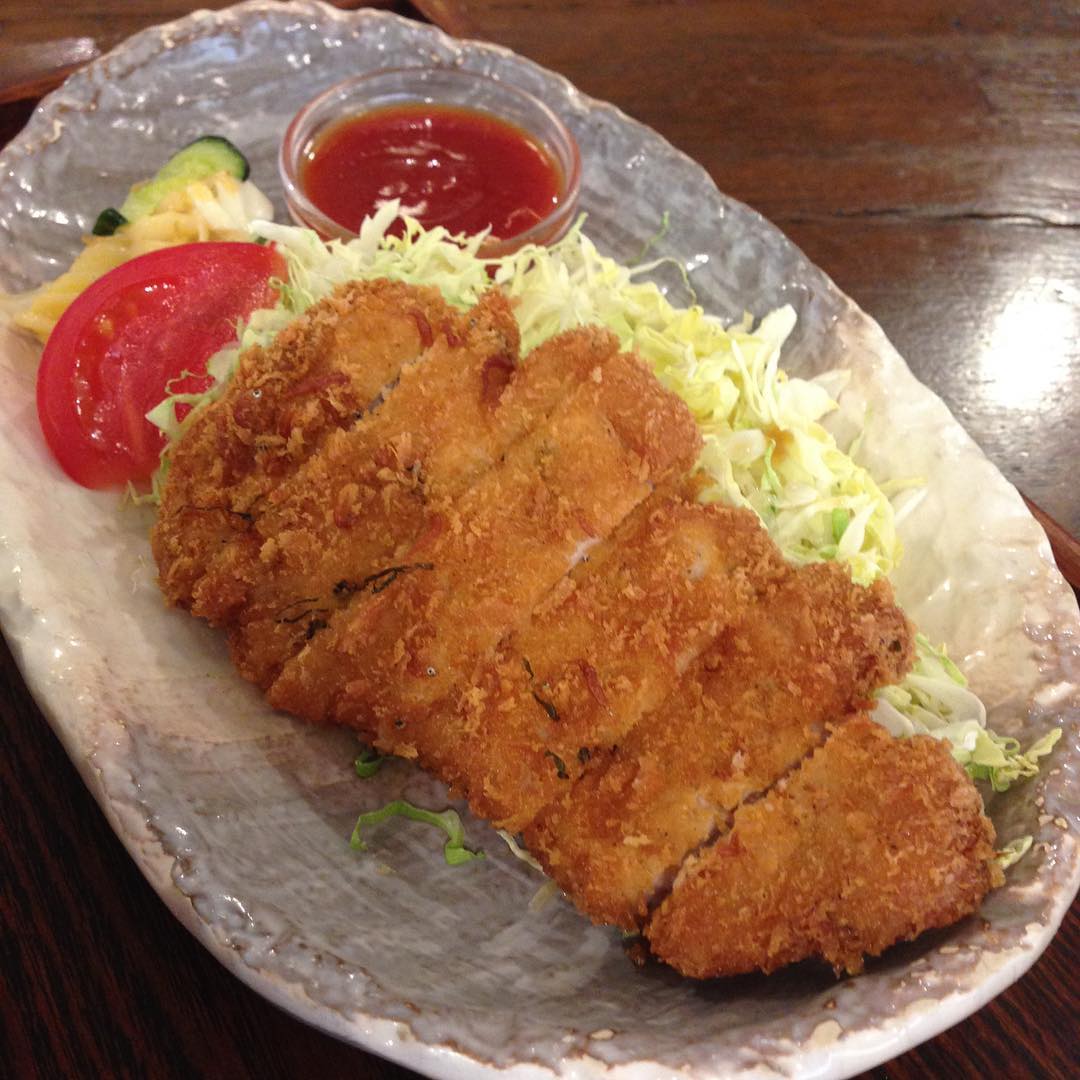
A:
872,841
491,556
414,570
608,645
352,508
320,374
813,646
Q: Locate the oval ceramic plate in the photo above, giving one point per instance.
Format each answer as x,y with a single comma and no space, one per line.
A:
240,817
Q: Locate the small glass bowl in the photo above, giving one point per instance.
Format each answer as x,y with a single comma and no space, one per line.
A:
434,86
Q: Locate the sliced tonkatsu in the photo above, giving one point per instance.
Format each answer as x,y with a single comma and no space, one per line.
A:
871,841
335,531
493,553
365,485
814,646
607,646
499,566
320,374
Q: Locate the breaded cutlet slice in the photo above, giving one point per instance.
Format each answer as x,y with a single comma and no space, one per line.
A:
814,646
481,567
320,374
873,840
609,644
316,508
354,508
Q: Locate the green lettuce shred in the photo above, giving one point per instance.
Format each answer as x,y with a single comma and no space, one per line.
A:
999,759
368,762
1013,852
518,851
454,851
934,699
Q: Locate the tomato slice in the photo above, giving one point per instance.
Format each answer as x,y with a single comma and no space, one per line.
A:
133,333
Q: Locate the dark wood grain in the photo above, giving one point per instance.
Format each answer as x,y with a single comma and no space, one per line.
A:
926,155
1064,545
32,70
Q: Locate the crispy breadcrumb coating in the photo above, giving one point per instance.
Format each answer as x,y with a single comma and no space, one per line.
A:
320,374
872,841
500,567
354,509
610,644
814,646
489,557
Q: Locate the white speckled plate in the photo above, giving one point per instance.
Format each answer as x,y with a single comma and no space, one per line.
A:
240,817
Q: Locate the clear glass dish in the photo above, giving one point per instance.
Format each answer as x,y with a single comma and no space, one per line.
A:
433,86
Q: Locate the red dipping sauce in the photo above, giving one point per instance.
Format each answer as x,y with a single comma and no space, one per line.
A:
456,167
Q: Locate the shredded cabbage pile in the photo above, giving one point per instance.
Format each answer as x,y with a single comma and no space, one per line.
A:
765,447
934,700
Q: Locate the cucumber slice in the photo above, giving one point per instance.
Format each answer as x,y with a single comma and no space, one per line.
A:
204,157
108,221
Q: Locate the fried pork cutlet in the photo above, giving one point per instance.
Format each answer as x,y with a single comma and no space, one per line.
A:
500,568
871,841
364,487
488,559
814,646
320,374
610,644
352,511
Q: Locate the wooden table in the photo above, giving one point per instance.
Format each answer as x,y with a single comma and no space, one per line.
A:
927,155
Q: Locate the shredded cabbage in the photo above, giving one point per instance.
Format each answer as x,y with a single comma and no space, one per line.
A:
454,851
518,851
368,762
549,890
764,445
1013,851
934,700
